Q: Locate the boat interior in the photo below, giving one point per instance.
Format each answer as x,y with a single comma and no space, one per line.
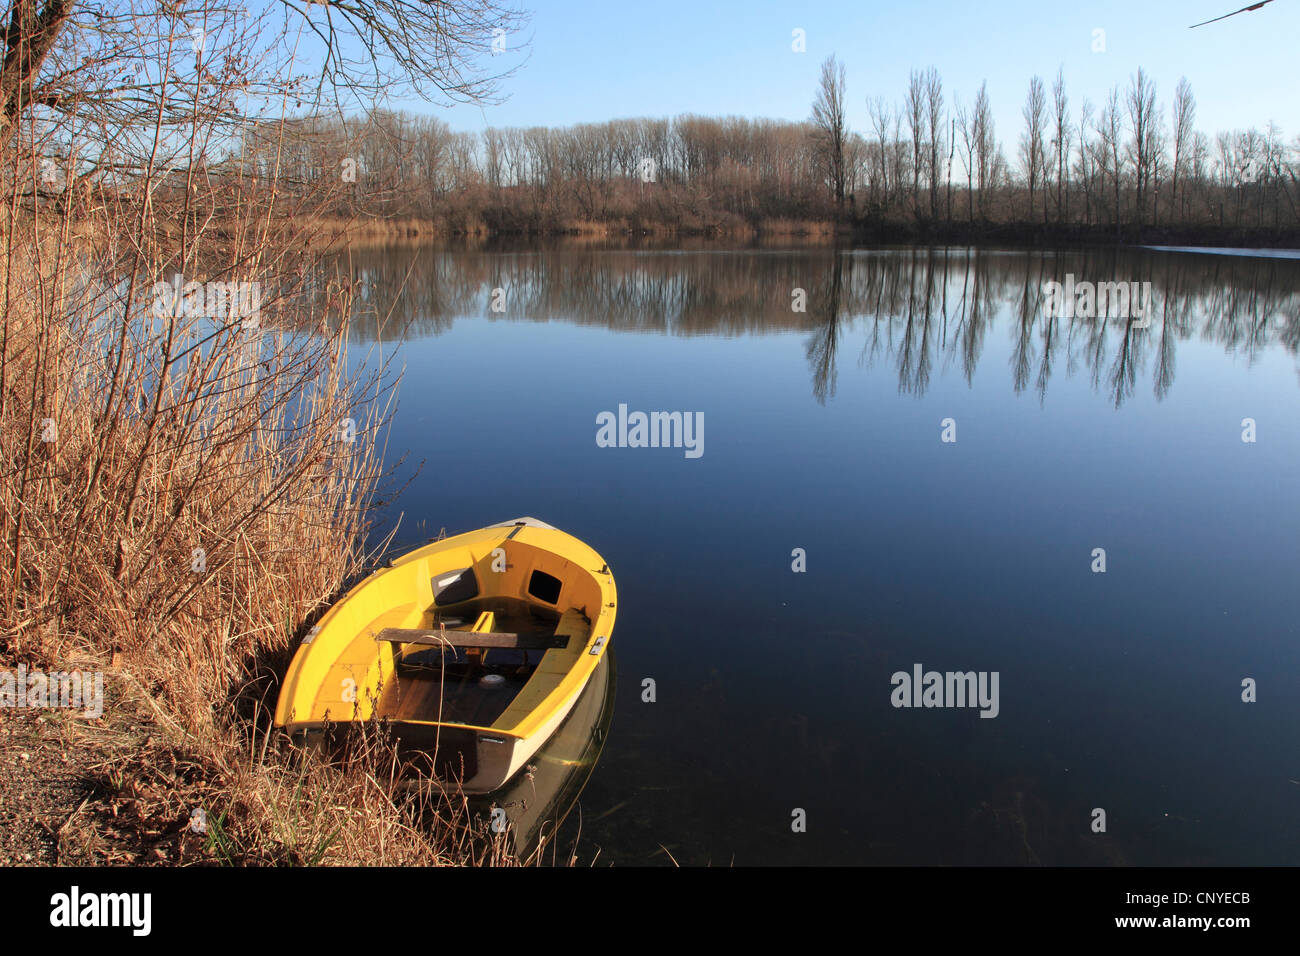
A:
480,635
479,640
462,682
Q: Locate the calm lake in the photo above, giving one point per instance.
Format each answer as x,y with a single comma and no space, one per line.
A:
824,430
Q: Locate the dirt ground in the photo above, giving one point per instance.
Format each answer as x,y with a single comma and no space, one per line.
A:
76,791
41,786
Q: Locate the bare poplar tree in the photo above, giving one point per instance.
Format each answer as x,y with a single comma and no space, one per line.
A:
1061,145
934,140
986,145
1086,167
829,127
1184,128
915,110
878,113
1109,129
966,130
1200,164
1031,141
898,152
952,152
1141,105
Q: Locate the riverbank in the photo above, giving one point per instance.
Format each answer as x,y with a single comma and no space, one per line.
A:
362,232
365,232
130,788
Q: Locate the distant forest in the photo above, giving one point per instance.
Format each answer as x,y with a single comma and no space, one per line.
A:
930,166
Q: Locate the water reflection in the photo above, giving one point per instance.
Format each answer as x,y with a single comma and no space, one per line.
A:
911,309
537,800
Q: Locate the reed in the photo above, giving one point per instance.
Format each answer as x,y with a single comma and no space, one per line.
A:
185,485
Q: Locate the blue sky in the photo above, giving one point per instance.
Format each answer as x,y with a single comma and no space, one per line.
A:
593,61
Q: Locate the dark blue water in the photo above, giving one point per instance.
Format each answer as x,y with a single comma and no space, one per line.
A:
822,431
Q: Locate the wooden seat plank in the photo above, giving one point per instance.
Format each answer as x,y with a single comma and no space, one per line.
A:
526,642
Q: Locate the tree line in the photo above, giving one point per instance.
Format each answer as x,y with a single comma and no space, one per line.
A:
930,163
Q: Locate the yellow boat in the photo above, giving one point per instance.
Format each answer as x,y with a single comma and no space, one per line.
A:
474,648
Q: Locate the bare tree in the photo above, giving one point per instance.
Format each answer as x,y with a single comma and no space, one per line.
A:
934,140
1141,105
1061,145
898,152
32,32
1031,141
1184,128
952,152
65,56
1200,165
966,130
878,113
986,145
1155,150
1109,129
829,127
493,157
1086,165
915,109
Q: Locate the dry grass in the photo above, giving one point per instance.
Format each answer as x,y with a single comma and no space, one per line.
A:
365,231
130,442
157,801
721,226
180,497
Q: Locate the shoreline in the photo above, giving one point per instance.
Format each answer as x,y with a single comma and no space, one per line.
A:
371,233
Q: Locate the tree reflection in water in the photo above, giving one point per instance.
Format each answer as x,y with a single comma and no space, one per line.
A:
910,308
